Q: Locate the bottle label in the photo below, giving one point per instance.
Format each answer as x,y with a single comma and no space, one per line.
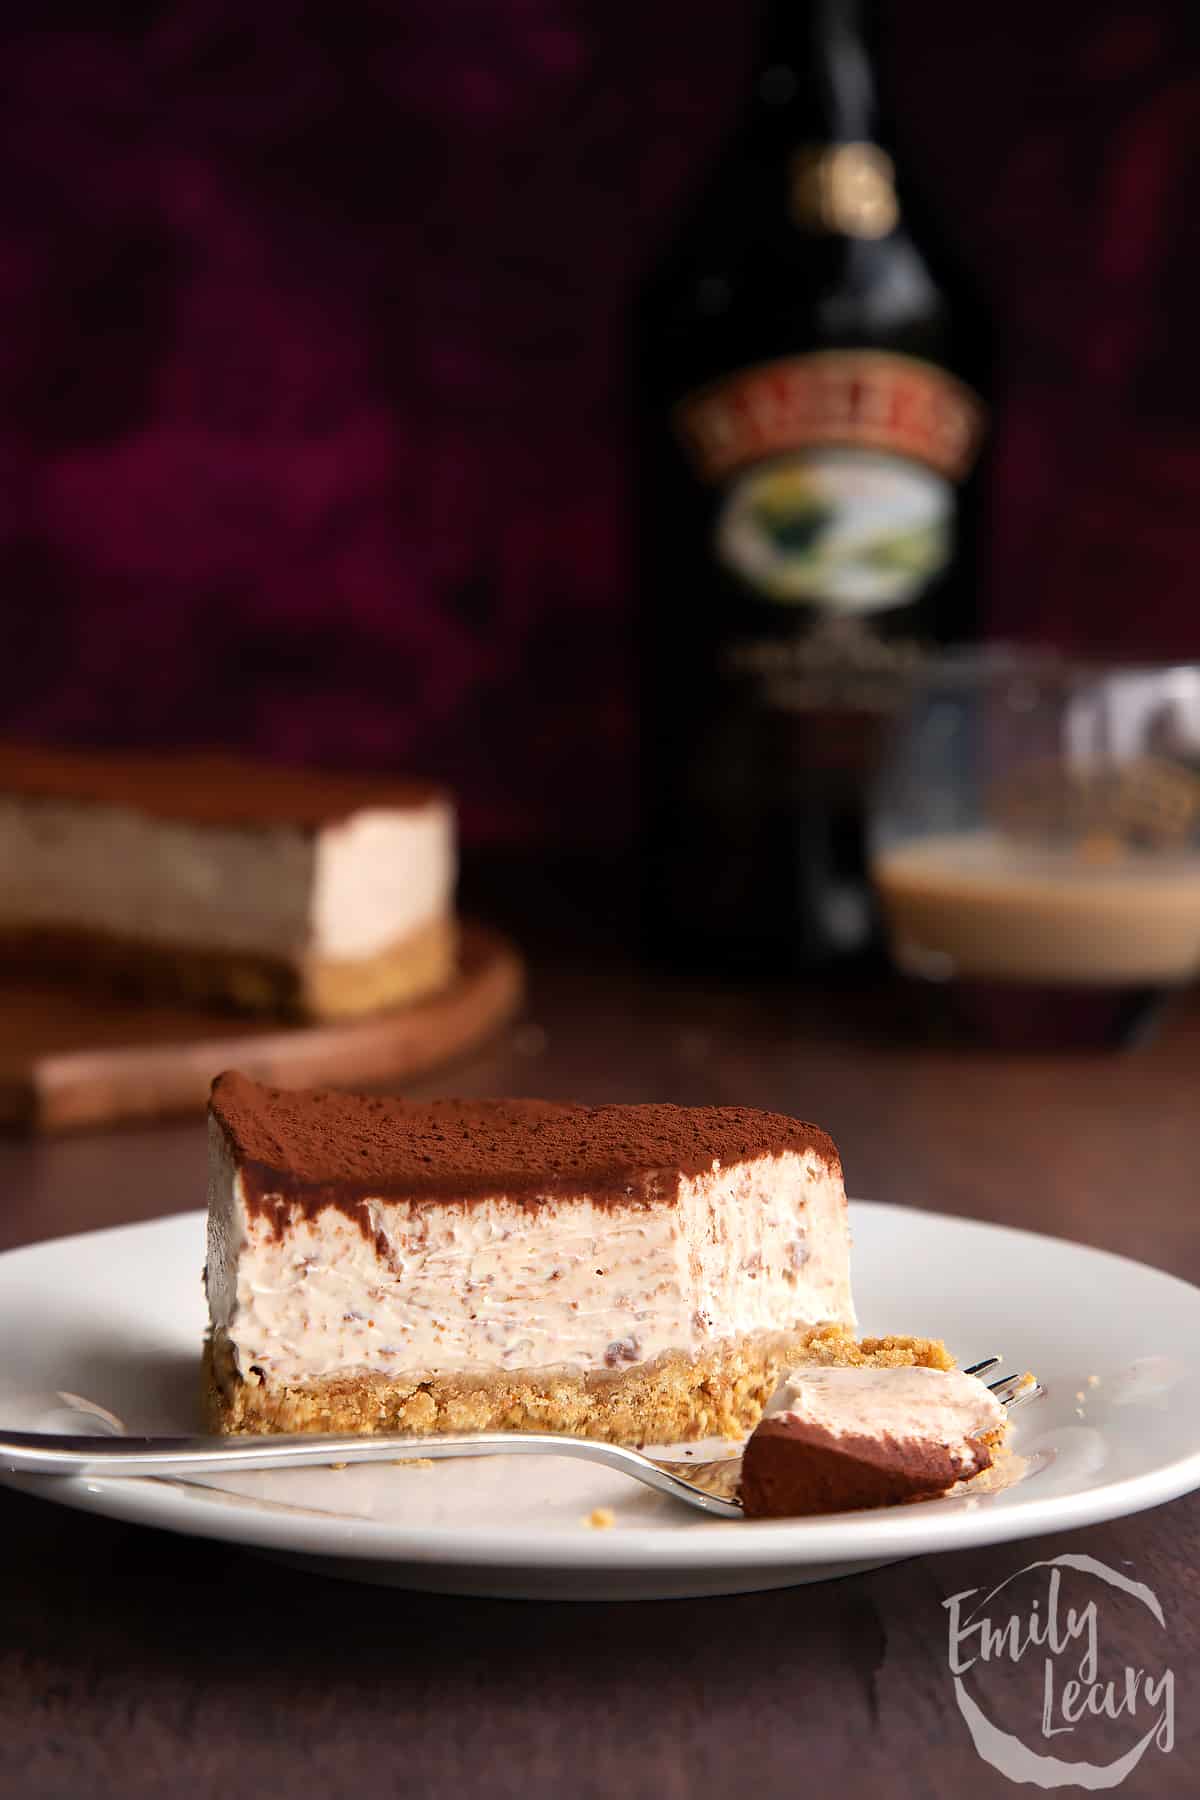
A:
838,472
850,399
855,533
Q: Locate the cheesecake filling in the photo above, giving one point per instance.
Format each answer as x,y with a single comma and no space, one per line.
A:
389,1286
899,1406
379,877
346,892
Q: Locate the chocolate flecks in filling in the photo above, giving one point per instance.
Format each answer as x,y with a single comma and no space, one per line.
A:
622,1350
301,1151
798,1254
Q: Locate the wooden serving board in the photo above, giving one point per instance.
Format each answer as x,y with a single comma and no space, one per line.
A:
69,1058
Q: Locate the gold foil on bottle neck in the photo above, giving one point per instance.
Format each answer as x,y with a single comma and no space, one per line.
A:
846,188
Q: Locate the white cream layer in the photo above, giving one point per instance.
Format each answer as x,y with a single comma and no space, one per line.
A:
345,892
907,1405
492,1285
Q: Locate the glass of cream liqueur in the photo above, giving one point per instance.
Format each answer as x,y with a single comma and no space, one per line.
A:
1035,847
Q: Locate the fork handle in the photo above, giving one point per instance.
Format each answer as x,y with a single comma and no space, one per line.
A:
43,1453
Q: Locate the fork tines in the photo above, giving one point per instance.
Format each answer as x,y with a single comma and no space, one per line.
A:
1013,1390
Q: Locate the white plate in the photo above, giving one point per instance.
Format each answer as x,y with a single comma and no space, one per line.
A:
118,1317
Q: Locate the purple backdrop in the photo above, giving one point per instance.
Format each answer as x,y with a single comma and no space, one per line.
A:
311,405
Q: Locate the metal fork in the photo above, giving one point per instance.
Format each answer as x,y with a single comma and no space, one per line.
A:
45,1453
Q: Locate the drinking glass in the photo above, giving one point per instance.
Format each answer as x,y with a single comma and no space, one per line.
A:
1034,846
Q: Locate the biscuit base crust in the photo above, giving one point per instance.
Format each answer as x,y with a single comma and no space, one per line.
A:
305,987
678,1397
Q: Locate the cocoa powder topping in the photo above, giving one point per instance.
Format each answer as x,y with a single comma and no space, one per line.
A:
316,1147
203,789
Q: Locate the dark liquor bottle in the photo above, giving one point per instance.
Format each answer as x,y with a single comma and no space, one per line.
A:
806,431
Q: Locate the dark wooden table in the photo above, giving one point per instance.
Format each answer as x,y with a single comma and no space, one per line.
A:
134,1663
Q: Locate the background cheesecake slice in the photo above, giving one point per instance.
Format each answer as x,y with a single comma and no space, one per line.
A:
226,881
635,1273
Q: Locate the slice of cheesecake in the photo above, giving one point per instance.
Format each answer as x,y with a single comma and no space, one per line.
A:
836,1439
226,881
634,1273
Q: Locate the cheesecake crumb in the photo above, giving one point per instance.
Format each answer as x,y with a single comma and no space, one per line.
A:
1093,1381
601,1518
339,1465
1081,1395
